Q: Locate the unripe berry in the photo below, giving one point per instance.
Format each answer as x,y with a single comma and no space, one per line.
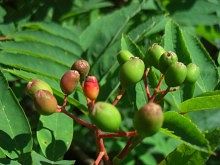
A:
45,102
34,85
131,71
69,81
91,87
106,117
149,119
82,66
124,56
153,55
176,74
166,60
193,73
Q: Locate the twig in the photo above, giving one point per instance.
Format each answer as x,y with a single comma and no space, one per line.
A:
118,97
146,83
118,134
78,120
157,89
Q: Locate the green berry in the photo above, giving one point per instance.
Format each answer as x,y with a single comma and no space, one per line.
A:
45,102
124,56
153,55
166,60
82,66
34,85
176,74
106,117
148,120
69,81
131,71
193,73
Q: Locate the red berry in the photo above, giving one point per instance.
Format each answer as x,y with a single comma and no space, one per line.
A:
82,66
91,87
69,81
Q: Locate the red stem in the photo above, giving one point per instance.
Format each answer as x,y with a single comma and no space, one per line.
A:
157,89
125,150
118,134
146,83
78,120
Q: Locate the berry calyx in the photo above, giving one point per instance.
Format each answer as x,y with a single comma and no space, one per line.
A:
45,102
106,117
124,56
193,73
166,60
131,71
176,74
82,66
148,120
153,55
91,87
34,85
69,81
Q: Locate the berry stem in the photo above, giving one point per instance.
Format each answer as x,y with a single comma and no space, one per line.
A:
118,97
118,134
131,143
78,120
164,93
101,148
157,89
146,83
99,158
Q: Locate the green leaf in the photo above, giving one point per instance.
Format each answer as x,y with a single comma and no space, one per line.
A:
200,103
39,159
128,44
54,29
48,39
190,13
33,64
55,133
151,26
15,132
182,127
39,50
141,97
184,154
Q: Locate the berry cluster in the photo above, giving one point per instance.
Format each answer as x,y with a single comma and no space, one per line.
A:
105,117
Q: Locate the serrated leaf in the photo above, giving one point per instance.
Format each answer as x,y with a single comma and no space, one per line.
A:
48,39
194,12
15,132
128,44
141,97
152,26
54,29
40,50
184,154
39,159
185,129
200,103
55,138
33,64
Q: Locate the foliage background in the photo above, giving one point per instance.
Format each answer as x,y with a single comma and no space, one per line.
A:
41,39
